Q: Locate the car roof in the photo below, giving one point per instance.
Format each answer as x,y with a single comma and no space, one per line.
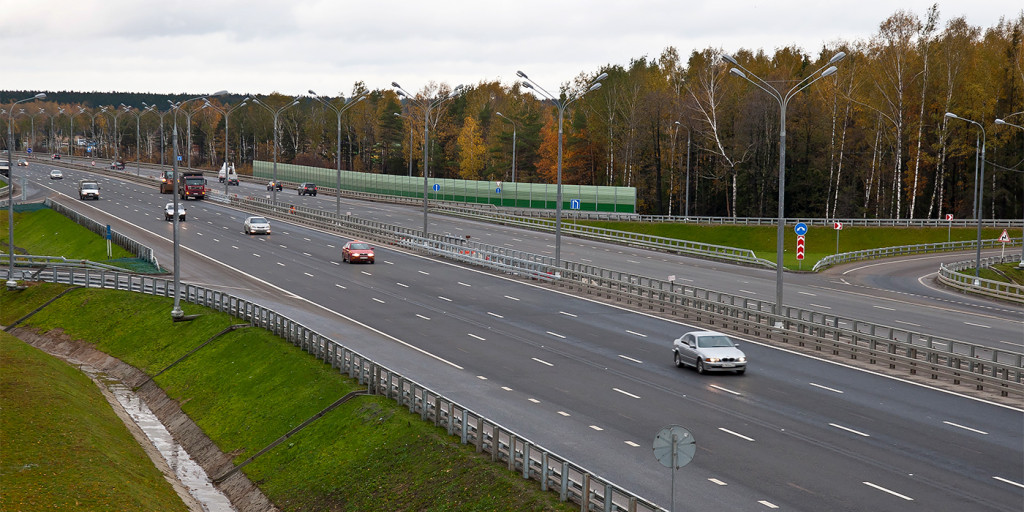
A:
707,333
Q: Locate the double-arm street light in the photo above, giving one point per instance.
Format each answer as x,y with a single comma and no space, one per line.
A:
115,113
561,103
176,312
979,180
1004,123
71,135
227,110
161,115
138,119
11,283
499,114
427,104
276,112
339,111
783,100
410,141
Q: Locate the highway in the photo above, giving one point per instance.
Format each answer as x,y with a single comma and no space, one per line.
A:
595,383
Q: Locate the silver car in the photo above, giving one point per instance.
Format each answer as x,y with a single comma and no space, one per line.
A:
255,225
169,212
708,351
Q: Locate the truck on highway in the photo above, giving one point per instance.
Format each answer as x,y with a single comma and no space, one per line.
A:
191,185
167,182
88,189
227,173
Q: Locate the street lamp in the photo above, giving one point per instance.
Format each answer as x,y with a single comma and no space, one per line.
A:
410,143
176,312
11,283
276,112
161,116
1002,122
227,112
979,194
339,111
783,100
499,114
686,200
427,104
138,119
115,113
561,105
71,140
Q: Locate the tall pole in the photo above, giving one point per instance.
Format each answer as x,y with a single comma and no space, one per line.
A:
275,113
339,111
687,211
513,144
783,101
71,139
11,282
560,104
1003,122
227,113
979,180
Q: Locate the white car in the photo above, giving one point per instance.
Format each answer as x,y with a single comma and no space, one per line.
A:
255,225
169,212
56,175
708,351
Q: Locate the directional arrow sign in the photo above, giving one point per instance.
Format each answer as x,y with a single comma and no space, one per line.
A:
837,225
800,247
800,228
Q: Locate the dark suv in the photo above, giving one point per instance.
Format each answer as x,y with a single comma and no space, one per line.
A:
307,188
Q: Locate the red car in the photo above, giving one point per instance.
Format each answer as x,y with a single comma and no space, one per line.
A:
357,251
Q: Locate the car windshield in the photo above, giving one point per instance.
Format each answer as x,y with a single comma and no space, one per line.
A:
169,206
257,220
713,341
360,247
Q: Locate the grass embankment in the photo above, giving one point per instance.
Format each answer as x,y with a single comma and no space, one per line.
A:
63,448
248,388
819,241
1004,272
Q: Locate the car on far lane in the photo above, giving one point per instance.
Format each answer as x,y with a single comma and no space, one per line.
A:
56,174
22,162
255,225
56,156
275,184
708,351
307,188
357,251
169,212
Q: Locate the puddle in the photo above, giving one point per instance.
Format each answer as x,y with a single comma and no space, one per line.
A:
191,474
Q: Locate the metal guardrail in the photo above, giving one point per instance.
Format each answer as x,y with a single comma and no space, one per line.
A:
141,251
553,472
903,250
772,221
950,275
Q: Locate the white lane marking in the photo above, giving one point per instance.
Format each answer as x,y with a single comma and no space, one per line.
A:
424,273
768,504
627,393
534,400
631,359
747,291
308,274
403,285
340,286
566,314
307,254
495,314
716,386
636,333
883,307
563,413
541,361
463,284
883,489
555,334
506,388
510,297
335,263
281,264
471,335
716,481
423,317
597,428
825,388
1011,482
257,255
807,293
378,300
965,428
234,247
741,436
481,377
631,443
819,306
848,429
446,299
978,325
365,272
912,324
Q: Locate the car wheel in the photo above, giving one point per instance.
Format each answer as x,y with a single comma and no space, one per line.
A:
678,360
246,231
700,366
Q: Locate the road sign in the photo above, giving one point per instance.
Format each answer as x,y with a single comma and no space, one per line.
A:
674,446
1005,237
437,187
497,190
800,228
800,247
28,150
574,204
949,216
837,225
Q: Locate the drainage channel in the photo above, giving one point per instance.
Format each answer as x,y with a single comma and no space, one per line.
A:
188,472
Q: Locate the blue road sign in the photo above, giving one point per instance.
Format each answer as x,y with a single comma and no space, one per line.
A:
108,231
28,150
437,187
179,158
574,204
497,190
800,228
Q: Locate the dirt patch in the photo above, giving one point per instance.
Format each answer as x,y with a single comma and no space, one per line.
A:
244,495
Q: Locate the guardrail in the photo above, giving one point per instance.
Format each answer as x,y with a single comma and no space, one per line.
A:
141,251
950,275
903,250
553,472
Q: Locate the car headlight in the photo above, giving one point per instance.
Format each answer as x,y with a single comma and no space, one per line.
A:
742,359
712,359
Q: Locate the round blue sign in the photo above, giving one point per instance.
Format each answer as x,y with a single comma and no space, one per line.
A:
497,190
437,187
800,228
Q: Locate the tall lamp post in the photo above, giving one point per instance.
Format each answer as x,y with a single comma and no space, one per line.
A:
427,104
138,119
227,110
11,283
71,139
116,113
783,100
561,104
176,312
1003,122
275,112
161,116
499,114
339,111
410,142
979,193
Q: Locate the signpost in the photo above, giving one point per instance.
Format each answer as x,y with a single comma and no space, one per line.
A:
837,226
674,447
1004,238
800,229
949,226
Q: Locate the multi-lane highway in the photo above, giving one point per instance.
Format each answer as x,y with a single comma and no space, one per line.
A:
596,383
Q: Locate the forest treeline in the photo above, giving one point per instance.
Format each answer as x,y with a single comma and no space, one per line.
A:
871,140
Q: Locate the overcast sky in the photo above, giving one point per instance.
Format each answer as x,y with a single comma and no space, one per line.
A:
291,46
